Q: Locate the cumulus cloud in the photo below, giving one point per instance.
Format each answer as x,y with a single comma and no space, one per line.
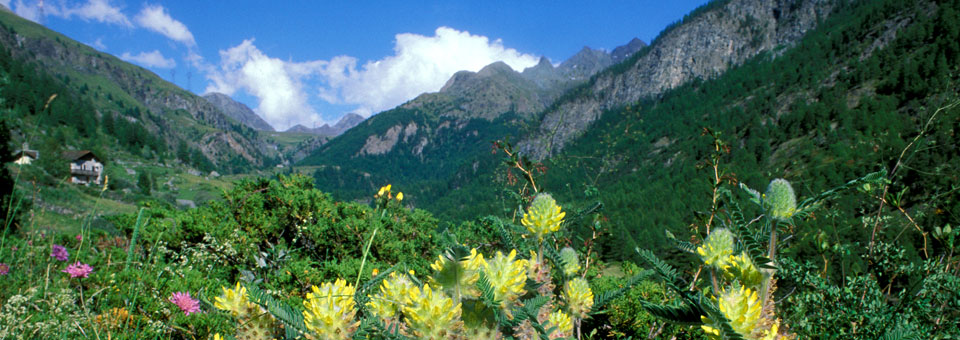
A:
29,11
150,59
277,84
155,18
419,64
99,10
96,10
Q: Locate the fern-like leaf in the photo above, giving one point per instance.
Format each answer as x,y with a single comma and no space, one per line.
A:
685,315
290,317
665,270
681,244
806,206
602,299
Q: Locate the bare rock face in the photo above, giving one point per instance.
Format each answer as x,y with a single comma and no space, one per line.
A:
378,145
702,47
238,111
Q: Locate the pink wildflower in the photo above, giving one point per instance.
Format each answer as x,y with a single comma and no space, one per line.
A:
59,252
4,269
14,248
185,302
78,269
79,237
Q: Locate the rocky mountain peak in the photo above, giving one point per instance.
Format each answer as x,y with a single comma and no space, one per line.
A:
238,111
621,53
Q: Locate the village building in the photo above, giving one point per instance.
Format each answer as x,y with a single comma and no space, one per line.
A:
85,167
24,157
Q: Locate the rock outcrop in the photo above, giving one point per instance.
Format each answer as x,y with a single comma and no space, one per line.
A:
705,45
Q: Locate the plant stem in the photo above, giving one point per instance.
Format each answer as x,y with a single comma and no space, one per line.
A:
366,251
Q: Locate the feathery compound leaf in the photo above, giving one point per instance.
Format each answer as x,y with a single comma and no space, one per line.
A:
686,315
486,291
505,237
291,318
681,244
666,271
900,333
532,305
601,300
720,322
360,296
805,207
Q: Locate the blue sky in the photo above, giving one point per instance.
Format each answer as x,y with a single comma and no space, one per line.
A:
310,62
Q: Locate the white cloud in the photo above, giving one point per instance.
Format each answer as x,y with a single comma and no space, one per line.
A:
155,18
99,10
276,84
150,59
96,10
419,64
5,3
27,11
98,44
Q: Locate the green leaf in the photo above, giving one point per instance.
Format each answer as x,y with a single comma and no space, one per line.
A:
685,315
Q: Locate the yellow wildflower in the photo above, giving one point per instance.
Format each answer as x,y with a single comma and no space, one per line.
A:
717,248
742,268
741,306
330,310
579,297
543,216
393,293
507,275
571,264
780,200
459,275
431,314
562,321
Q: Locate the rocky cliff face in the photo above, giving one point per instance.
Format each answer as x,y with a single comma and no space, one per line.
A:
703,46
237,111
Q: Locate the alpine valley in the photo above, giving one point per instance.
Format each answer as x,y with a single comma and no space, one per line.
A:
648,148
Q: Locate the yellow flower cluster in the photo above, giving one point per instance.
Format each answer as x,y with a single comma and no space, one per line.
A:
742,268
780,200
717,248
543,216
255,323
739,305
571,262
579,297
562,321
431,314
385,192
458,277
393,292
330,310
507,276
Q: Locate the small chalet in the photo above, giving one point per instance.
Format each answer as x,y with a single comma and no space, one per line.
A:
85,167
26,156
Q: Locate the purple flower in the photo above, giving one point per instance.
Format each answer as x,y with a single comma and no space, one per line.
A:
78,269
59,253
4,269
185,302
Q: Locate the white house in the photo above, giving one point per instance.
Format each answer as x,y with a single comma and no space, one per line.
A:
26,156
85,167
